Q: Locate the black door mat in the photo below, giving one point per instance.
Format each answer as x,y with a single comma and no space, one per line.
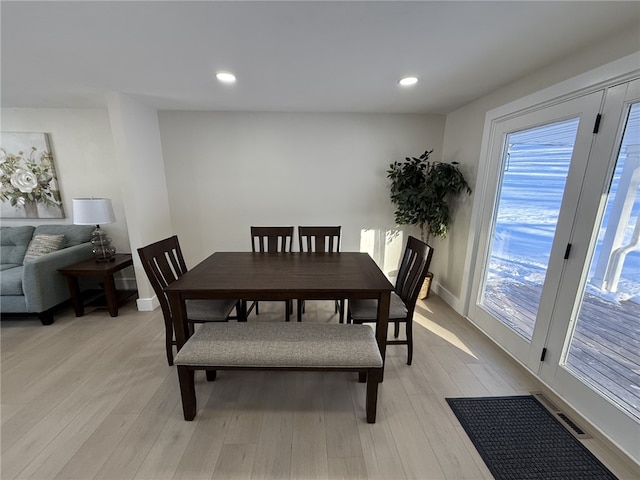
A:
519,439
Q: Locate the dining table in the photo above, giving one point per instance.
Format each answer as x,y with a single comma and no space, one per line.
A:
282,276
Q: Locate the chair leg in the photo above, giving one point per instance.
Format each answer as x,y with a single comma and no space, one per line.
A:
409,341
287,312
300,309
396,329
168,327
187,392
341,311
211,375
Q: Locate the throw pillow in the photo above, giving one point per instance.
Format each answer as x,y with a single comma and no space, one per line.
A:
41,245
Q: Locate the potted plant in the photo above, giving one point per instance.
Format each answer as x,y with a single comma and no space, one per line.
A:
421,191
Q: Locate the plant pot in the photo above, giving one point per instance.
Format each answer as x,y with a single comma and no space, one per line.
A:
426,287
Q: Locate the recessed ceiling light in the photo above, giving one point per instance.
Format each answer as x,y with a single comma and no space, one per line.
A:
226,77
407,81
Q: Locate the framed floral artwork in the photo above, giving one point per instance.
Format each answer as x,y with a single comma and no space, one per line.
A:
29,184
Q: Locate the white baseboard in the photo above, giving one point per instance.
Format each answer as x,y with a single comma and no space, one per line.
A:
125,283
449,298
147,304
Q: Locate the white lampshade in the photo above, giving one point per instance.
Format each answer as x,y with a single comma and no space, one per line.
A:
92,211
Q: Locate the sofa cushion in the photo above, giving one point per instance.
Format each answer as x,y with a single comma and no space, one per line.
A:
7,266
73,234
41,245
14,242
11,283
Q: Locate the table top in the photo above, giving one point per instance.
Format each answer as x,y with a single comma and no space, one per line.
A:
283,276
90,266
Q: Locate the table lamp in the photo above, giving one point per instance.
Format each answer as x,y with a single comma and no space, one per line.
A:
96,211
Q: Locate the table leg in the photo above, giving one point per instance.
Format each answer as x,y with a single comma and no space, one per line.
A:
76,299
110,295
242,315
384,302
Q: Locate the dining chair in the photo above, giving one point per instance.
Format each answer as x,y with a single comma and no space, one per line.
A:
320,239
411,274
164,264
271,240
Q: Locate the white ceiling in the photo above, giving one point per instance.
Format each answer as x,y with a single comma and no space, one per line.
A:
297,56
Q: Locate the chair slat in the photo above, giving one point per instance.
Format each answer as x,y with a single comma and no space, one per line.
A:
321,240
271,239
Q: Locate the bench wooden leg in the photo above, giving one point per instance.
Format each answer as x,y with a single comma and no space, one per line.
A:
373,379
211,375
187,391
362,377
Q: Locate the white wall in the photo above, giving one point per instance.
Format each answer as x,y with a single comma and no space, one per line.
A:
140,165
228,171
84,156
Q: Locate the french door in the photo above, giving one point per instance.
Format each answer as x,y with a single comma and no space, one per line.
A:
539,161
557,272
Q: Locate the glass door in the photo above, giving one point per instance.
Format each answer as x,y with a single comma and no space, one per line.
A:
594,335
535,168
534,156
604,349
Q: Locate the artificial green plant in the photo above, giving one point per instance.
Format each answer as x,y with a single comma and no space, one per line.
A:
421,191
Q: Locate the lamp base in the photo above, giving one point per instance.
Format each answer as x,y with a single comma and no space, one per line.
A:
102,249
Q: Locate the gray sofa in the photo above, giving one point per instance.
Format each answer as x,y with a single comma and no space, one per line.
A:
35,286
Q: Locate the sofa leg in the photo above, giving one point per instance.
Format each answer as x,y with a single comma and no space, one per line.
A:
46,317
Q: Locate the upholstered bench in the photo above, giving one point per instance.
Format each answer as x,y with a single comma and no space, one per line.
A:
279,346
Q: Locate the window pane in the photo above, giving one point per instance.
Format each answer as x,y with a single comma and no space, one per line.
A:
605,347
535,166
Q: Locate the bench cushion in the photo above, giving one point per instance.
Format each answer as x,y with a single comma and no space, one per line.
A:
281,345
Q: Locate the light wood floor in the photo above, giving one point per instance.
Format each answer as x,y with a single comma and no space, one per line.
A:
93,397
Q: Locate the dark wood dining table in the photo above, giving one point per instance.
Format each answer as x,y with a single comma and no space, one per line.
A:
282,276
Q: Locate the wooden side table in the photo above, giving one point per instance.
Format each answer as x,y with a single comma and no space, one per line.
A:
91,268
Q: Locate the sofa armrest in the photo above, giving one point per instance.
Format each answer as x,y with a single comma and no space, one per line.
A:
44,287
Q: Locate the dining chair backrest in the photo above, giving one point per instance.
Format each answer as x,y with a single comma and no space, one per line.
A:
319,239
164,264
271,239
413,270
